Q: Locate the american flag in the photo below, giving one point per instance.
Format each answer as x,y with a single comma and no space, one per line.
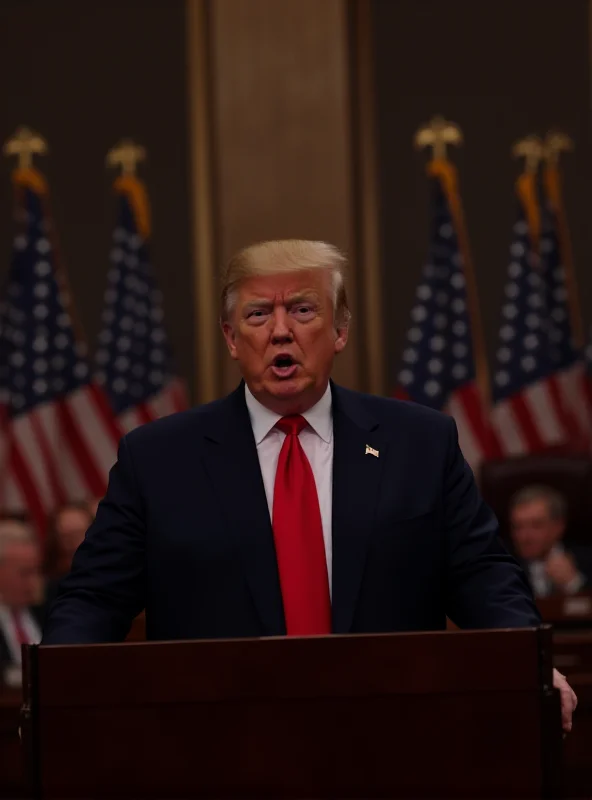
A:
529,413
438,359
59,434
569,379
133,359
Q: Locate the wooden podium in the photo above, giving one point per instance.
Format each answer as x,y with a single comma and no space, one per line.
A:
463,715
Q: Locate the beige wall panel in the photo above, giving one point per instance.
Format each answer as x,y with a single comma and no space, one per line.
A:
283,162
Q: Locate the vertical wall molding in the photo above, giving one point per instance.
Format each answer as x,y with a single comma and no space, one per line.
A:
366,209
282,120
202,184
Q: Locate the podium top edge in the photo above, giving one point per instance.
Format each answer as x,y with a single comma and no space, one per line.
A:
477,633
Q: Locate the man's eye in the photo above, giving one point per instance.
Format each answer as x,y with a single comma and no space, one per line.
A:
257,312
303,309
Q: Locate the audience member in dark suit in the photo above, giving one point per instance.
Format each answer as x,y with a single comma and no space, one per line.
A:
20,595
292,506
65,534
538,517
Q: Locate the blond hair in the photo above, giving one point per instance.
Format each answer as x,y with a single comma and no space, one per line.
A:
286,255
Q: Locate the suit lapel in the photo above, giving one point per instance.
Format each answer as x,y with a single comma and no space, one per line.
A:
356,479
233,465
230,459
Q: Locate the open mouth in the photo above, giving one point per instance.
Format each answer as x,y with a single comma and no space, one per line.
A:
284,366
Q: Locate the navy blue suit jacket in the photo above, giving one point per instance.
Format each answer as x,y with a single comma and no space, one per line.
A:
184,532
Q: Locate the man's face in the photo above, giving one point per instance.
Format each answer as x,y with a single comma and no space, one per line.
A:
71,526
282,333
534,530
20,575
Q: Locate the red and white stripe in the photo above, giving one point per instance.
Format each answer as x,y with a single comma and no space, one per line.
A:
572,390
59,451
475,435
533,420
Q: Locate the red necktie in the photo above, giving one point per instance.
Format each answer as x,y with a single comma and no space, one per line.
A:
22,636
298,535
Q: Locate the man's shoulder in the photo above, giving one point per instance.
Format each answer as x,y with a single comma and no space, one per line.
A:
177,426
392,412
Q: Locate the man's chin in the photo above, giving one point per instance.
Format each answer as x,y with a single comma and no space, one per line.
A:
289,387
289,396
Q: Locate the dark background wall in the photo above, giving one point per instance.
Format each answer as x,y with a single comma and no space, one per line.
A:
85,74
500,70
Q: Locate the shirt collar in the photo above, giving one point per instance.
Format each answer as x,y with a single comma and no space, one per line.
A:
319,417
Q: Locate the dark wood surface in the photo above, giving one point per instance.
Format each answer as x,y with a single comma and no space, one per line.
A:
12,762
573,657
11,757
571,617
402,715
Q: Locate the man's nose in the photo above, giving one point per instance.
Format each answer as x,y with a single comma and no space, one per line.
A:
281,326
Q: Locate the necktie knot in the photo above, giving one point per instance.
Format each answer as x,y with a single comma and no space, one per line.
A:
291,425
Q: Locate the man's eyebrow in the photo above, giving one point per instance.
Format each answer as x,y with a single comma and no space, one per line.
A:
290,300
301,296
258,303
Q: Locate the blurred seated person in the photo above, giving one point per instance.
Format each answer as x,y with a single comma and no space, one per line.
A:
538,517
20,595
65,534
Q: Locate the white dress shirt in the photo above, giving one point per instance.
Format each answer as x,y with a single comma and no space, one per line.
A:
7,627
317,442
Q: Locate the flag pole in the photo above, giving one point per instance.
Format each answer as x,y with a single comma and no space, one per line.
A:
126,155
24,144
438,134
531,150
556,143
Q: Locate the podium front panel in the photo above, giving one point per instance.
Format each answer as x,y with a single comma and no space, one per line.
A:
467,714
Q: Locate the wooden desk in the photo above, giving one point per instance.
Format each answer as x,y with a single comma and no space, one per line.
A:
12,779
343,716
567,611
571,617
572,655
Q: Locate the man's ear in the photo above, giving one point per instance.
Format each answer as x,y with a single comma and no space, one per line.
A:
230,338
341,338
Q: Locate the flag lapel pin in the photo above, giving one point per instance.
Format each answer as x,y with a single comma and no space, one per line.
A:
370,451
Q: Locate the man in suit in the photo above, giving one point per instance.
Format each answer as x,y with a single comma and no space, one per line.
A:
538,517
292,506
20,595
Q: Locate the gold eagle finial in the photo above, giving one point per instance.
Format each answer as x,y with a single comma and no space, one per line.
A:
24,144
530,148
126,154
438,133
556,143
